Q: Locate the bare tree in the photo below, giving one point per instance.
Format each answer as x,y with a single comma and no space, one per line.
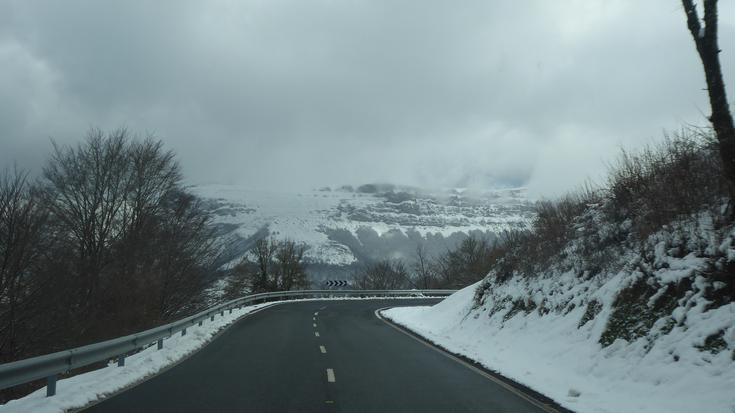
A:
184,255
277,266
423,269
107,242
383,275
290,269
469,262
705,39
85,193
21,224
264,251
137,246
153,176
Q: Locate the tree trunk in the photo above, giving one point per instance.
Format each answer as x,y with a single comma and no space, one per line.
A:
705,38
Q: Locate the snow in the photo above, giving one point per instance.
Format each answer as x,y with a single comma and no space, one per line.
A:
83,389
552,356
297,215
666,370
306,216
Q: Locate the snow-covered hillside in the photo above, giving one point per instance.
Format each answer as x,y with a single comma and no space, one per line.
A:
344,225
651,330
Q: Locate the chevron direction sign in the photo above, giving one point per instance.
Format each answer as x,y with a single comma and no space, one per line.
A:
336,283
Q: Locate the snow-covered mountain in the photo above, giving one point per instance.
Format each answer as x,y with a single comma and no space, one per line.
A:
345,226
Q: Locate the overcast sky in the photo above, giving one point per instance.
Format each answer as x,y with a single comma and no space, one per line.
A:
299,94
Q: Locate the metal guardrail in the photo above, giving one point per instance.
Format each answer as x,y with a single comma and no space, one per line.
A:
50,366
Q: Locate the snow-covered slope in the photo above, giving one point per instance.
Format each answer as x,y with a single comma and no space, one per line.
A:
653,331
344,225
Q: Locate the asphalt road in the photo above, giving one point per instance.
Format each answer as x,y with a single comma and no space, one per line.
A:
318,356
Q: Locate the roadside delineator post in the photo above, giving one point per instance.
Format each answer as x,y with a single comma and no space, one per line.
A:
51,385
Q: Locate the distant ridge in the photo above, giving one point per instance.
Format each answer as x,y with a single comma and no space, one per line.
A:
347,225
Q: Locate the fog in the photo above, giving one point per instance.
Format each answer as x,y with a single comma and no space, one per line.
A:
290,94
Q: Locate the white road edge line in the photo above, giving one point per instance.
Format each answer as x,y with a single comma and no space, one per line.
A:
316,333
323,349
427,343
330,376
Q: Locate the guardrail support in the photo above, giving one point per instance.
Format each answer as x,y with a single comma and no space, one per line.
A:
50,366
51,385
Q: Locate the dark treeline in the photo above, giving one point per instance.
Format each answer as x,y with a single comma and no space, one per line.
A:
271,265
104,243
469,262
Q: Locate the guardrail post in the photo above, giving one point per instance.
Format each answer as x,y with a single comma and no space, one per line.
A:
101,351
51,385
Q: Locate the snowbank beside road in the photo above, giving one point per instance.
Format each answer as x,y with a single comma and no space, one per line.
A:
80,390
86,388
555,356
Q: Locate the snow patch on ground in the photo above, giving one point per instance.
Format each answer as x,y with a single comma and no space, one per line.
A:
545,331
80,390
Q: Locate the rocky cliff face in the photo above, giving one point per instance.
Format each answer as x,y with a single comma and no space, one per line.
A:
346,226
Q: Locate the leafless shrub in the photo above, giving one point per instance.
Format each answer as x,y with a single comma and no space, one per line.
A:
424,273
290,271
468,263
680,176
273,265
676,178
383,275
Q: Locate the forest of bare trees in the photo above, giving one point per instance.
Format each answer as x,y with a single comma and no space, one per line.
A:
456,268
271,265
105,242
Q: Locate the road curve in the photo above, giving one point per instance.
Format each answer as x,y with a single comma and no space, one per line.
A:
317,356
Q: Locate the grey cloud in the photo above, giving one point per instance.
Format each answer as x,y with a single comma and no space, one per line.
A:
303,94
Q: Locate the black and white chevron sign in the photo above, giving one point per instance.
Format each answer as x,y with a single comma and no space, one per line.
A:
336,283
